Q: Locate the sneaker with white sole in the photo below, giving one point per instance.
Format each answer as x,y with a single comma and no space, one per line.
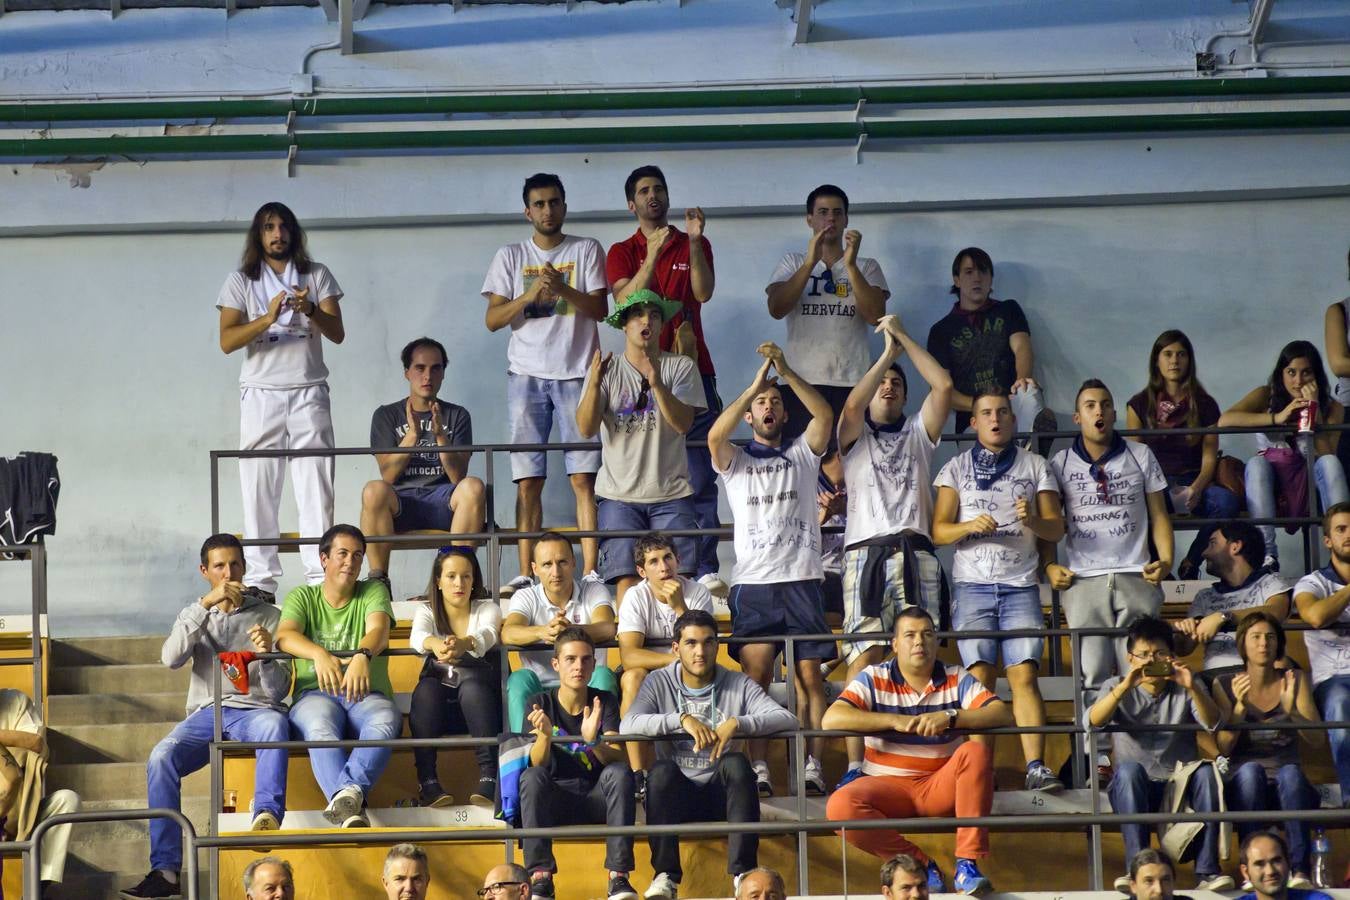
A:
265,821
815,781
519,583
1298,881
1122,884
620,888
762,782
356,820
663,887
592,577
968,879
345,804
1042,779
1218,882
715,585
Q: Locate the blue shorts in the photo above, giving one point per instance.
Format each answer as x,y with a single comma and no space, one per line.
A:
532,406
791,607
616,554
423,507
997,607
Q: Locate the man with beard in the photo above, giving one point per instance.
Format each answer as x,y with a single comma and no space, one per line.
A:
1264,860
1323,601
642,405
889,560
1233,555
701,775
677,265
771,489
330,704
280,304
1115,500
830,297
551,291
994,502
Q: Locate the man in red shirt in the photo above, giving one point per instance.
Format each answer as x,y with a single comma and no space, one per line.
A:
678,265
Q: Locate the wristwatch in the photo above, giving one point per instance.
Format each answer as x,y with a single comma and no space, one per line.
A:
365,652
952,714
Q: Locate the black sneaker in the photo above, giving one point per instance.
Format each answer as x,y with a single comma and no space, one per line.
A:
621,889
485,794
640,787
433,795
153,885
541,888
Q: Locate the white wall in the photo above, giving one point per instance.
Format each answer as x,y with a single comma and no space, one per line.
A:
108,273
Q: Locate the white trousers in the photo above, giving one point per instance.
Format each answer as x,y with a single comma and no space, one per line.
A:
55,841
293,419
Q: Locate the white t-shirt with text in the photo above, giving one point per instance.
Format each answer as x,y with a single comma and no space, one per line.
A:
1222,650
773,505
889,479
1008,555
1107,525
549,339
827,340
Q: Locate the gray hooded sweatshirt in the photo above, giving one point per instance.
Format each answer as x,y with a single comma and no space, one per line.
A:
199,634
664,698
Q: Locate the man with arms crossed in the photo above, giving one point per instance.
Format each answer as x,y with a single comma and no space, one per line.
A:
1114,500
420,490
224,627
889,560
994,502
678,266
831,298
913,700
280,305
1323,601
1233,555
701,776
539,613
642,405
579,783
551,290
771,488
330,704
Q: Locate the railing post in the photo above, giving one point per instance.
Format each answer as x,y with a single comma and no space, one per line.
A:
797,763
217,777
37,561
215,493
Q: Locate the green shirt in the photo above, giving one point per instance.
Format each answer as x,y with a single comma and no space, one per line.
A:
338,629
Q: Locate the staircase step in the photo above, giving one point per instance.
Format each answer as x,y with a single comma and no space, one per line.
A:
195,808
132,742
136,650
129,857
118,679
112,708
116,781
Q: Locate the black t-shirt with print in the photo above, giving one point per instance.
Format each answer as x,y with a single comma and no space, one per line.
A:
975,347
571,767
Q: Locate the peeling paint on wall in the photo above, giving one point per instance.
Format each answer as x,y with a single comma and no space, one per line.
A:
80,174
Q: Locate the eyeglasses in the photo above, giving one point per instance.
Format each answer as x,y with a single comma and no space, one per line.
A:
499,887
1159,655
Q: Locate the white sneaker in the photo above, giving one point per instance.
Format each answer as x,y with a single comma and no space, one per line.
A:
663,887
715,585
1122,884
815,781
592,577
265,821
358,820
345,804
1218,882
762,781
520,582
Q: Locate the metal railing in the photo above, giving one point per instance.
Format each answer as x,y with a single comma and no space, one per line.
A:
37,555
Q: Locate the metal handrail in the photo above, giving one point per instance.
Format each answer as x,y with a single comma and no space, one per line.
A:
33,855
37,557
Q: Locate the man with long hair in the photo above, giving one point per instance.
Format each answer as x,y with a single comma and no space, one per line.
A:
278,306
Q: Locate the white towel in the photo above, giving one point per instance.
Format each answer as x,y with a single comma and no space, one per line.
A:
289,323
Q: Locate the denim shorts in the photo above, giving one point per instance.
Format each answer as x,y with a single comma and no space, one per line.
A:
423,507
532,406
616,554
930,590
790,607
997,607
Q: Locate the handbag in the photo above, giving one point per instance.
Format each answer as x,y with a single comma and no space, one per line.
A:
1230,474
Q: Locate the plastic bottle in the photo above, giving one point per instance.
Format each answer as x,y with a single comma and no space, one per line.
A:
1321,858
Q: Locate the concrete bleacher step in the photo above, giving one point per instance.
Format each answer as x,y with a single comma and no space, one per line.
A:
119,679
107,743
114,781
460,816
133,650
112,709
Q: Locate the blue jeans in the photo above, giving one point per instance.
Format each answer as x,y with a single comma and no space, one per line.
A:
1215,503
1333,700
616,553
997,607
185,750
323,717
1250,789
1259,476
1132,791
703,480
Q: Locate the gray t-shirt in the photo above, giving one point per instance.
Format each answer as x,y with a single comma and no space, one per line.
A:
1157,751
389,424
642,458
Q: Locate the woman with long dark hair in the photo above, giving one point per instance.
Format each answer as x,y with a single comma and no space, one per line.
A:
460,687
1175,398
1265,771
1277,477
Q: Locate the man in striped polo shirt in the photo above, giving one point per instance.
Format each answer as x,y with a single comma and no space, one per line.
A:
919,768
